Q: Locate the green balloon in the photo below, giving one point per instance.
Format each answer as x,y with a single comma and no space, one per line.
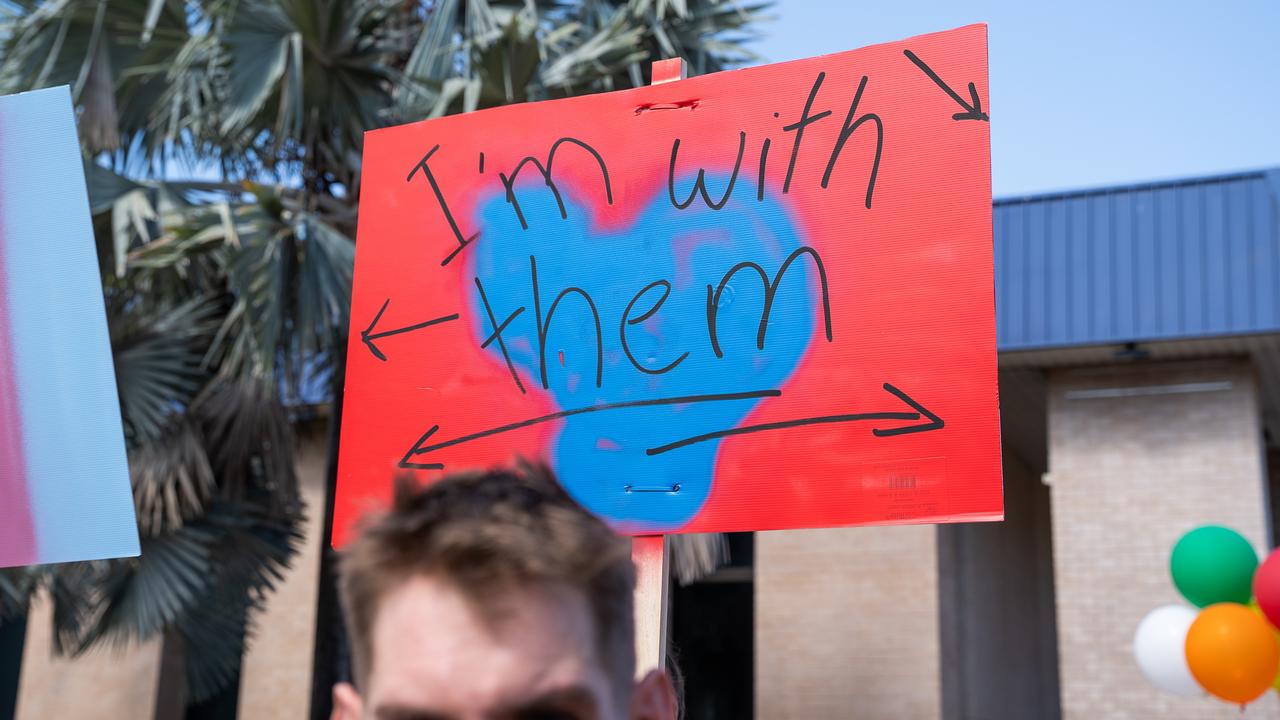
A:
1213,564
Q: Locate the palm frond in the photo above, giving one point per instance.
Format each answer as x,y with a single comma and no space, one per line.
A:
173,479
325,269
204,579
434,55
696,555
248,430
17,585
131,600
254,549
257,42
158,355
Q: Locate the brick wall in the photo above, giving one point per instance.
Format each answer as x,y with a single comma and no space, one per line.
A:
1128,476
103,684
847,624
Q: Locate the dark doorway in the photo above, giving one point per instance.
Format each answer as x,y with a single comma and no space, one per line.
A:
1273,487
712,627
13,634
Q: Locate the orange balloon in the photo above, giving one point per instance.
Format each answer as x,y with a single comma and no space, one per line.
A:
1253,607
1232,652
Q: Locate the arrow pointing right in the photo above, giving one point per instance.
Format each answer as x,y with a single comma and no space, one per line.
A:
932,422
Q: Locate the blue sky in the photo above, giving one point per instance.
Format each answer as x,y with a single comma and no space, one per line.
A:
1088,93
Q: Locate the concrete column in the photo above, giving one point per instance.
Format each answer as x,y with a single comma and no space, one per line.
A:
847,624
1138,455
275,679
105,683
999,650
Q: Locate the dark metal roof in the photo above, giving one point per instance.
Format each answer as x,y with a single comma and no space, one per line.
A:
1182,259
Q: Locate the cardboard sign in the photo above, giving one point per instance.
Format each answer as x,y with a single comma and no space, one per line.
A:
751,300
64,482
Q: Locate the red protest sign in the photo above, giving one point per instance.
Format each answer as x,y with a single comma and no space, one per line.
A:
751,300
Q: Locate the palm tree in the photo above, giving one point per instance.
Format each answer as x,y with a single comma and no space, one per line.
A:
222,144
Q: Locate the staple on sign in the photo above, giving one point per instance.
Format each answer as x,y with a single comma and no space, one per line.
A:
677,105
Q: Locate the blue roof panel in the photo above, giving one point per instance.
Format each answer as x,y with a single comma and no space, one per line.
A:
1158,261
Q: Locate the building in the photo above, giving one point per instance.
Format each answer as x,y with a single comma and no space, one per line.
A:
1139,339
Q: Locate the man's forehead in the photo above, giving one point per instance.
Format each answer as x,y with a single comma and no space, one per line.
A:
576,701
504,612
434,647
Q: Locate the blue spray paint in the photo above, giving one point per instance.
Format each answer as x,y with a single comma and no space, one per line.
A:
600,456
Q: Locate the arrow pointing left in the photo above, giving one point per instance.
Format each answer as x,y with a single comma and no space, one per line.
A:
421,447
368,335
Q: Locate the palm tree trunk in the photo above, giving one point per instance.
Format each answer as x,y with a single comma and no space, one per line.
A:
171,686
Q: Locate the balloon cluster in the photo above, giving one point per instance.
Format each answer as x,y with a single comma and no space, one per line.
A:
1230,647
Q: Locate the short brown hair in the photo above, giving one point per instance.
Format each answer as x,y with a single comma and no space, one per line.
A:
486,532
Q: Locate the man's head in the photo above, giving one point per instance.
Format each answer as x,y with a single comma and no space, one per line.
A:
492,596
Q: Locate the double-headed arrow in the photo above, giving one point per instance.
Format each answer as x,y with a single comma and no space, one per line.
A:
932,422
971,111
368,335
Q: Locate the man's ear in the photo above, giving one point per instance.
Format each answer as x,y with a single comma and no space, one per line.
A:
654,698
347,704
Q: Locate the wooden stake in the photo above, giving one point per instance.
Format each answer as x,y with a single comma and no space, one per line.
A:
651,553
665,71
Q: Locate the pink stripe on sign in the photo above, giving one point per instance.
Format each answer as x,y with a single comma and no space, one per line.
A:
17,538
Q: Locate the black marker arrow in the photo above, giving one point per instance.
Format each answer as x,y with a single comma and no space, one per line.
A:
368,335
933,423
972,112
422,448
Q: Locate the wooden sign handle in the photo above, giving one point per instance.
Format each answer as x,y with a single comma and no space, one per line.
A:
665,71
651,553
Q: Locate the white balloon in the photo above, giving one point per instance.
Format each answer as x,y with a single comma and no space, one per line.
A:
1160,646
